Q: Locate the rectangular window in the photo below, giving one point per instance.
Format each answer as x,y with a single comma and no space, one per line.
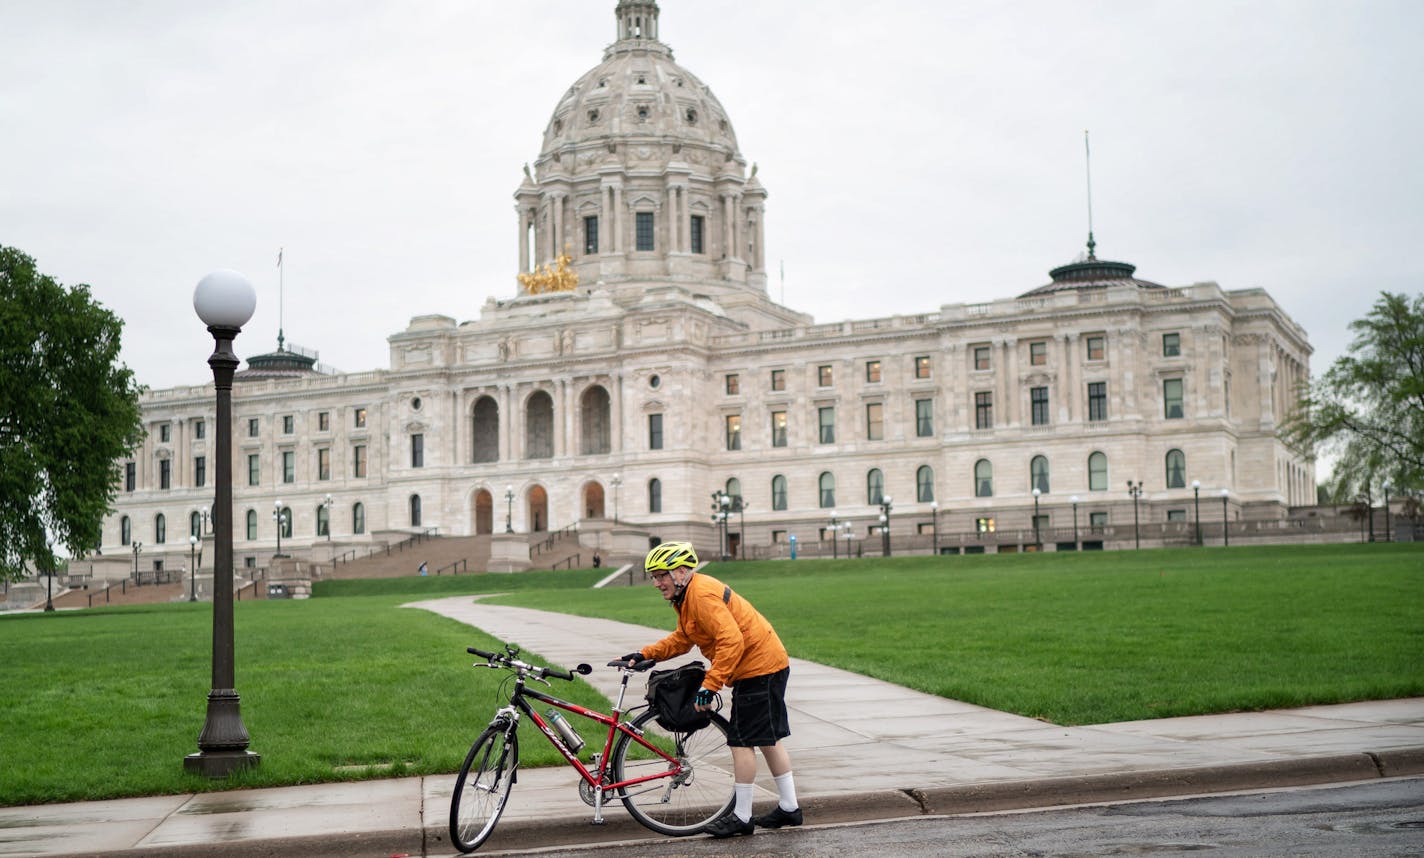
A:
200,430
778,537
254,470
1097,347
778,428
643,224
590,234
1038,405
323,421
984,410
1172,398
289,467
734,384
981,357
1097,521
1097,400
200,471
288,424
872,371
358,461
253,427
358,418
1176,515
1171,345
823,376
874,421
323,463
827,422
694,233
924,418
165,474
655,431
417,450
165,433
778,379
734,431
984,525
922,366
130,476
251,532
1038,353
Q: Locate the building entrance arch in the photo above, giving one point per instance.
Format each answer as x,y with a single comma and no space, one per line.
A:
593,500
483,512
538,509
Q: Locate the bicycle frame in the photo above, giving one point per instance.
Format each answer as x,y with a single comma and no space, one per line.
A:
520,700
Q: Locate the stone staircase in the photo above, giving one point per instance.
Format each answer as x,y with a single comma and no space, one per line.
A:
438,553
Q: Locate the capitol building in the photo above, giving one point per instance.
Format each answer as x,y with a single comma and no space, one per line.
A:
638,367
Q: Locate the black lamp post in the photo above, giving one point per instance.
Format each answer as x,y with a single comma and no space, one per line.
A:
192,569
138,549
277,517
1196,504
224,301
835,546
615,482
1074,499
1135,489
49,589
1037,540
509,509
741,506
934,525
1386,512
326,505
847,535
1225,531
885,526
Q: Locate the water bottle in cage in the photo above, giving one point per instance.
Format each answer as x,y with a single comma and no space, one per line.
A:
571,738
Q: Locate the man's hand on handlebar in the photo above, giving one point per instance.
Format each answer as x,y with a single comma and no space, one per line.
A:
705,698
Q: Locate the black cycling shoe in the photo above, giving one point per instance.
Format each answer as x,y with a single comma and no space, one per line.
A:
777,818
728,825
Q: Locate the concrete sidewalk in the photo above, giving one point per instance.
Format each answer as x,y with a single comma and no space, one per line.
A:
862,749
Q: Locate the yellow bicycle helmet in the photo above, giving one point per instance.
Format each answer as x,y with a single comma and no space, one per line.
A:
669,556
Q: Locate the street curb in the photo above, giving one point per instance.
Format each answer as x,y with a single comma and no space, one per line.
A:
910,802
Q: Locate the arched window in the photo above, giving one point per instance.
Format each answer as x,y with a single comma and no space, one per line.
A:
778,492
485,436
358,518
874,486
983,479
1038,474
594,421
160,528
655,495
924,484
1098,472
125,531
323,520
415,510
1176,469
734,488
286,522
195,524
828,490
251,524
539,426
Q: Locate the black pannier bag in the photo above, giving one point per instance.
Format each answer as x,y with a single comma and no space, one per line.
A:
672,694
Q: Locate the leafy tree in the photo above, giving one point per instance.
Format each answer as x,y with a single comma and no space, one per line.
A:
1369,406
68,411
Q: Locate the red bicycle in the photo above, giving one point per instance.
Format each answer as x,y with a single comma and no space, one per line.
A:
674,783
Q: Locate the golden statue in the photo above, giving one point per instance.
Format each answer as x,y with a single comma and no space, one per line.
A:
543,278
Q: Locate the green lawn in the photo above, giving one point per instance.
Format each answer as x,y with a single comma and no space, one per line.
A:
106,702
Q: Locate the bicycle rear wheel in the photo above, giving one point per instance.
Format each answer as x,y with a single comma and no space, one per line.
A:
483,787
682,804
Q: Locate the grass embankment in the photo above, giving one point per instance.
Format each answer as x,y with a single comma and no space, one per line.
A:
106,702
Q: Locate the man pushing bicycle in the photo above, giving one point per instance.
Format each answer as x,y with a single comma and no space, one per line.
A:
747,654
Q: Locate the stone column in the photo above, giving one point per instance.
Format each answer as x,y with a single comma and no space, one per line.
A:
557,227
523,238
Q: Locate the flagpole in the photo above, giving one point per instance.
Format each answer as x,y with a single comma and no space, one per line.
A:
280,288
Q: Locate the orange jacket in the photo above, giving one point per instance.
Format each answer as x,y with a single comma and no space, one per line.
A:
732,635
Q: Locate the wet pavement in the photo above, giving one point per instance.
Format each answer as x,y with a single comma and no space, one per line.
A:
861,749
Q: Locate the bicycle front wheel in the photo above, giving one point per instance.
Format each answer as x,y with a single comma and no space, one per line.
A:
683,804
483,787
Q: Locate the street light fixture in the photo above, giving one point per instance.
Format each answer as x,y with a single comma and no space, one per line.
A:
224,301
724,503
885,505
934,525
615,482
1037,541
848,536
1386,512
326,505
192,569
1135,489
741,506
835,528
1074,499
509,509
277,517
138,549
1196,504
1225,534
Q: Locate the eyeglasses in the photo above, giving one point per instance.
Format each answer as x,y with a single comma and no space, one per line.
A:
658,576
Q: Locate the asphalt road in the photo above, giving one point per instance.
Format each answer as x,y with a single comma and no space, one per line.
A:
1377,818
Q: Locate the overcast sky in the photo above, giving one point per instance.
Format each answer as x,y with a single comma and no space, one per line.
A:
916,153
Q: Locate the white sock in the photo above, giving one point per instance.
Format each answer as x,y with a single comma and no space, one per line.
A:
786,786
743,806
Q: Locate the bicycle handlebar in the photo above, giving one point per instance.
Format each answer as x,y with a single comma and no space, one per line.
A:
639,667
508,660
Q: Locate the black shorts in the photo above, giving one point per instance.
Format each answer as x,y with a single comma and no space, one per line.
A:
759,711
